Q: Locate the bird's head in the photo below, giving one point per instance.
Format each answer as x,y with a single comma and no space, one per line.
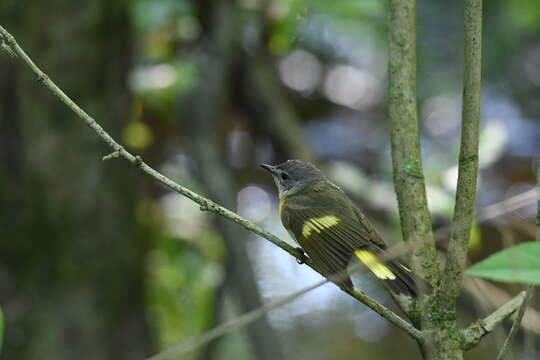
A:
293,176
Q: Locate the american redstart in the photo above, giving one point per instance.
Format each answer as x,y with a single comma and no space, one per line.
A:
331,230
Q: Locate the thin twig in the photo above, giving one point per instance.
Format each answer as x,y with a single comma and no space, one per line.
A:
206,204
475,331
517,323
249,317
231,325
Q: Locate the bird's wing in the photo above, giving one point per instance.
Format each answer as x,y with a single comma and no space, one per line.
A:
366,224
342,204
329,238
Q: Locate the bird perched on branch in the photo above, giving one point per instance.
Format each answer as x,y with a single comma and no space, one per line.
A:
331,230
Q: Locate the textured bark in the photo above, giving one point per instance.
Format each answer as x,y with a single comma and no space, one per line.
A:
407,165
406,157
437,313
71,263
464,210
447,341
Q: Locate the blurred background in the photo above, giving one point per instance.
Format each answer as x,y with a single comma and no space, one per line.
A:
98,261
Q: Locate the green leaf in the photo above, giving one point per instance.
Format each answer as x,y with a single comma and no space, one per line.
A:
519,263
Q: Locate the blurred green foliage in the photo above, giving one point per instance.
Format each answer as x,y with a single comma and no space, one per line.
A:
346,32
148,14
185,269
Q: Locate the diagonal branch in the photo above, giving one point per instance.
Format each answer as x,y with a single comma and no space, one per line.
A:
206,204
468,156
517,322
247,318
231,325
406,157
475,332
238,322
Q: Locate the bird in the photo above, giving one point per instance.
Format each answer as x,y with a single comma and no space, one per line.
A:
331,230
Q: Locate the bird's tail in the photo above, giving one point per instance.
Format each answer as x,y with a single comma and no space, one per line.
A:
396,276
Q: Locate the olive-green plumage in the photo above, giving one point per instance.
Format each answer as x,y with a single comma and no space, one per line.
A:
331,230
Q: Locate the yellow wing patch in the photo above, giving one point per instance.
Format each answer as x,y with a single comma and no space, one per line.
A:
319,224
375,265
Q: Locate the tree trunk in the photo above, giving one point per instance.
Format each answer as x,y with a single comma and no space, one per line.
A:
71,263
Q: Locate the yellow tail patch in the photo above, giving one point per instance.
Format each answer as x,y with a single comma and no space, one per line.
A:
319,224
375,265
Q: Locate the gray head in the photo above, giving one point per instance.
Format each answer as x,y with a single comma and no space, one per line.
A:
293,176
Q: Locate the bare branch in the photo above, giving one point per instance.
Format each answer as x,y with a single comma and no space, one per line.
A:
475,332
393,252
4,46
497,297
468,156
517,323
206,204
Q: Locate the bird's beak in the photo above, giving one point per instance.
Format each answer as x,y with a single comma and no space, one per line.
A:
267,167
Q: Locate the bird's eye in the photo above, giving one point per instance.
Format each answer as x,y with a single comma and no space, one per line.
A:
284,176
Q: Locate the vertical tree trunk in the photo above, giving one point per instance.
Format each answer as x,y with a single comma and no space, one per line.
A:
436,314
440,343
71,258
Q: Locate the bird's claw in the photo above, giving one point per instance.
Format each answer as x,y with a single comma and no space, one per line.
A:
301,258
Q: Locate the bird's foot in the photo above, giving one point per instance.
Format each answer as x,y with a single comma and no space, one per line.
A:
301,258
